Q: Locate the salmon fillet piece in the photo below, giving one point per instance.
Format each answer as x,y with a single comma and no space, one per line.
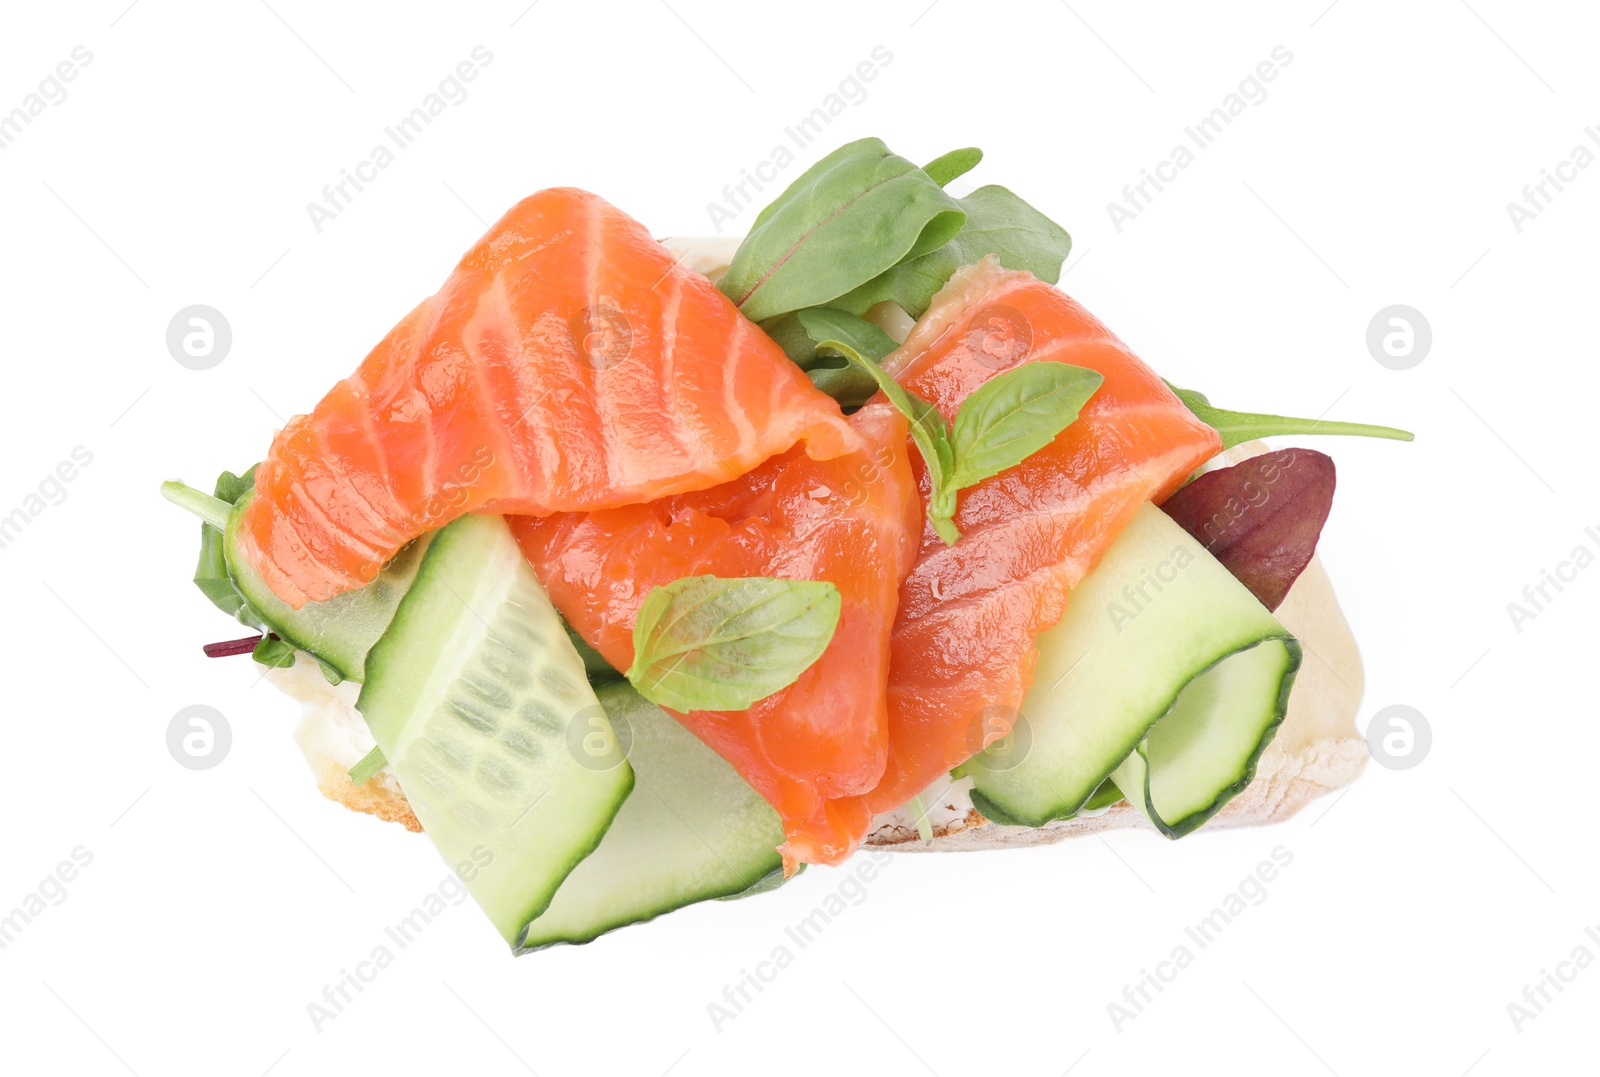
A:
568,364
813,749
962,651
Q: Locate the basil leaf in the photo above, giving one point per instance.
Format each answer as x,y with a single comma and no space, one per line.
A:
851,216
707,643
929,430
998,223
952,165
1237,427
932,435
1013,415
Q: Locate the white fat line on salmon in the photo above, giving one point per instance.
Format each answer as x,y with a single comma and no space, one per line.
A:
852,90
51,490
850,892
52,889
52,91
451,891
1536,197
1537,597
338,196
1252,90
1550,984
1138,996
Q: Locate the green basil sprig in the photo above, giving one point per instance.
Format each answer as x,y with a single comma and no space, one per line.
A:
1237,427
709,643
1002,423
1012,416
851,216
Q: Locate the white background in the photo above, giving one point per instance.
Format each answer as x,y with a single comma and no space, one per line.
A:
1377,171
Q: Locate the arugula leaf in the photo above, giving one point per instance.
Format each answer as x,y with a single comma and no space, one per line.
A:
851,216
708,643
998,223
1237,427
952,165
369,764
1013,415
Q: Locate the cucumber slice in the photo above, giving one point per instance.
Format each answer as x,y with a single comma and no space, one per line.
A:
1154,615
340,631
1204,752
481,706
692,830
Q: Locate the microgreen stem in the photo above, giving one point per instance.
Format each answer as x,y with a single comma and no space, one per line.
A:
212,510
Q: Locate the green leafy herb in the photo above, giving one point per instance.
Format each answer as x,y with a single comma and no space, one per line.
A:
1005,421
824,327
332,675
829,368
998,223
928,427
708,643
1013,415
211,572
851,216
211,510
274,652
953,165
370,764
1237,427
932,436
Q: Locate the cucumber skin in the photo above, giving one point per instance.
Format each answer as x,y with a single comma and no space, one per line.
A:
1200,818
1268,629
441,549
763,877
763,882
258,600
996,814
519,945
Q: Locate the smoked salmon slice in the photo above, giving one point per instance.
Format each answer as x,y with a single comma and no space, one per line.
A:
962,652
813,749
569,364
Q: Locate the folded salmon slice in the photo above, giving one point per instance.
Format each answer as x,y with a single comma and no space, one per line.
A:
568,364
962,651
813,749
